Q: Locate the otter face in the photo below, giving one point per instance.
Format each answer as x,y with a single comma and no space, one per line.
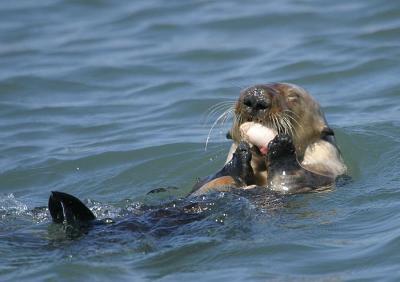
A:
260,103
284,107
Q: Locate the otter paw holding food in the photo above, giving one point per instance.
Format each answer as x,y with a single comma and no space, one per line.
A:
237,173
281,152
285,175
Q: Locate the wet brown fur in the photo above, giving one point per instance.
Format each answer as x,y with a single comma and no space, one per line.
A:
307,122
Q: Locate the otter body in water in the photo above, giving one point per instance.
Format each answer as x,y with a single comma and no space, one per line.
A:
285,176
281,142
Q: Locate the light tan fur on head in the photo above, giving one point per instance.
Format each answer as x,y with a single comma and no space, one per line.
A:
289,109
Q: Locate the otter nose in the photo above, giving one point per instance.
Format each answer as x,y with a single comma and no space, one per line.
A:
256,103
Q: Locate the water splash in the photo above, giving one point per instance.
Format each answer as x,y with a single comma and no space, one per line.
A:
10,206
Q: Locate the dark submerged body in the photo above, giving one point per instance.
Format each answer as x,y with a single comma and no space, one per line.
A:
67,209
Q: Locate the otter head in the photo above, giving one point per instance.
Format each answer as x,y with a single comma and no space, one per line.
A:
284,107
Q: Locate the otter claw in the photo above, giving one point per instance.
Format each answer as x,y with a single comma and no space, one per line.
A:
243,152
243,146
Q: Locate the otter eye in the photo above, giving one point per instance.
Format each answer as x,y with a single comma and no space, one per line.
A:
293,97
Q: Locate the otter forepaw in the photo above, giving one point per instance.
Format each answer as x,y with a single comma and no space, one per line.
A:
281,146
243,148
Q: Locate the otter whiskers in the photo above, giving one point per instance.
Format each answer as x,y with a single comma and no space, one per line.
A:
282,123
218,107
221,119
293,116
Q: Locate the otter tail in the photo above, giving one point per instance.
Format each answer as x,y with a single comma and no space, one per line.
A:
65,207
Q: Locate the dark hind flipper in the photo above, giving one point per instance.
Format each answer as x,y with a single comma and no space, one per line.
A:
65,207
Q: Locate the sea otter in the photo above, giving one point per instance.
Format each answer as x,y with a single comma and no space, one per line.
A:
281,142
264,111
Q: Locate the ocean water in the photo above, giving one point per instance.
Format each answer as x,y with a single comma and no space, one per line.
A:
108,100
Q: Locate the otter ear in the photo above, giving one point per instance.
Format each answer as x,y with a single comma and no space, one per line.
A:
229,135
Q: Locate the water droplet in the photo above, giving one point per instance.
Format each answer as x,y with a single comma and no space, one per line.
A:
108,220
